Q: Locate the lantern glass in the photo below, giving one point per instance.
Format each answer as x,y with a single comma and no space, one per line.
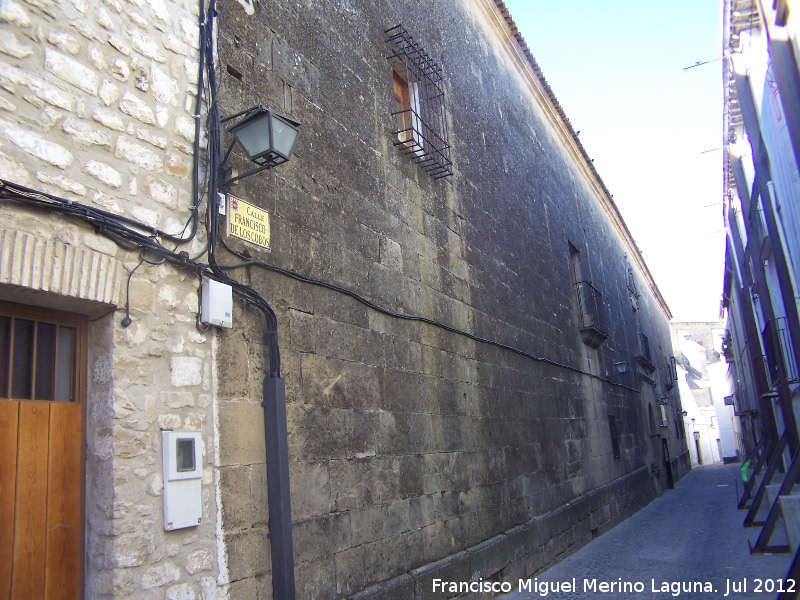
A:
253,134
284,136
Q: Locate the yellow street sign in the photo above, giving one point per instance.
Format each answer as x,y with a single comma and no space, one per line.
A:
248,222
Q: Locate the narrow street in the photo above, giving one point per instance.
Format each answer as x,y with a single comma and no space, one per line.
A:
691,534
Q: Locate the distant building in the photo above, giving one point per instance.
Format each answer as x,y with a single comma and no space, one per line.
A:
711,426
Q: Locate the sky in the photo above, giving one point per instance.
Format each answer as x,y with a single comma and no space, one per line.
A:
653,128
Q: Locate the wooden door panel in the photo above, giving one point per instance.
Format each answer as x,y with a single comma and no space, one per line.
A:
64,506
31,501
41,453
9,417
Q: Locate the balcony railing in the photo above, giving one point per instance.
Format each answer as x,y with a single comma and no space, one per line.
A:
590,308
670,373
787,351
643,357
747,368
779,360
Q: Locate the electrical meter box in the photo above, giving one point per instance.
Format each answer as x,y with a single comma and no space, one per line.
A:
182,465
216,307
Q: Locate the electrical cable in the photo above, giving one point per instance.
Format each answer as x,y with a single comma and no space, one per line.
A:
408,317
103,316
126,322
106,225
69,207
200,308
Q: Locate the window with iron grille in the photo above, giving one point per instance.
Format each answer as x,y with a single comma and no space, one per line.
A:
590,303
612,426
630,280
419,109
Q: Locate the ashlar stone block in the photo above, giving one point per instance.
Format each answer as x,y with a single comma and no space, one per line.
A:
243,442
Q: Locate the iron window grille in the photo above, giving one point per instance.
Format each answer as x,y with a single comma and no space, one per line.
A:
612,426
420,111
671,371
630,281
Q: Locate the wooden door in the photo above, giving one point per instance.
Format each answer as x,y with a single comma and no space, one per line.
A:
42,385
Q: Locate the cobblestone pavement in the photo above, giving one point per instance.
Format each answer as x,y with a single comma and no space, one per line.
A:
691,534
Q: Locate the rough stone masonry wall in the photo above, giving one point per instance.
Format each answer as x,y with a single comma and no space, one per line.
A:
96,103
410,445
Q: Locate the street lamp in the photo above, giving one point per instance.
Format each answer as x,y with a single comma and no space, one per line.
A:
621,366
267,138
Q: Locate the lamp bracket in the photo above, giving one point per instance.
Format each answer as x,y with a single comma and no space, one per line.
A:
229,182
228,153
243,113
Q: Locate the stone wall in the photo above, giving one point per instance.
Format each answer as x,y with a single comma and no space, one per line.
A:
96,106
410,445
528,549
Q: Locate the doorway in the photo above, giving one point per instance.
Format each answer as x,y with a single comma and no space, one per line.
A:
42,397
667,464
697,446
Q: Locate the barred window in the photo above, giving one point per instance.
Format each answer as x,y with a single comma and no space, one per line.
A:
612,426
419,109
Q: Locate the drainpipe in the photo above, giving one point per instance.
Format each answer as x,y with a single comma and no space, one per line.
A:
280,507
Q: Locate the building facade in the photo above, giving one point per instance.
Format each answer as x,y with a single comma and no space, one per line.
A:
447,357
761,199
713,430
762,196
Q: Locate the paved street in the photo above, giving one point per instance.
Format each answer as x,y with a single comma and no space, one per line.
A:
691,534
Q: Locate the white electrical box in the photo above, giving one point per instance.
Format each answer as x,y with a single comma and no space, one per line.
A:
216,307
182,465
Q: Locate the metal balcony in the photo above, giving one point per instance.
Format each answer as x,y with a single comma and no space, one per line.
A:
643,358
592,320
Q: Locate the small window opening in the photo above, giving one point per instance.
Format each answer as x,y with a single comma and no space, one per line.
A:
234,72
